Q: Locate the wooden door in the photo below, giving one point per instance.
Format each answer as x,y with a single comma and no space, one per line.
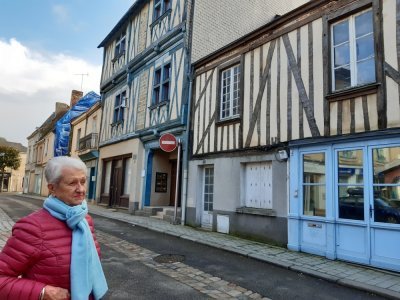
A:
116,183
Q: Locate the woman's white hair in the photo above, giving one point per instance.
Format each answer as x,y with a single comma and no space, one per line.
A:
54,167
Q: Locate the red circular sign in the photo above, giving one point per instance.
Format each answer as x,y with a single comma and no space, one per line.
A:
168,142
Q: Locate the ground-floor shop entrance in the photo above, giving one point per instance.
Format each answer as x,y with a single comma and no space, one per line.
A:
345,201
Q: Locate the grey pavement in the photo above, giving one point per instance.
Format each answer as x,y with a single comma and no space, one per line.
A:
380,282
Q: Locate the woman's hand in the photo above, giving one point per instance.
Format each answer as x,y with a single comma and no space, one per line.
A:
55,293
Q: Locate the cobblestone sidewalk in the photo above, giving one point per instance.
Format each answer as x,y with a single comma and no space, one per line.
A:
374,280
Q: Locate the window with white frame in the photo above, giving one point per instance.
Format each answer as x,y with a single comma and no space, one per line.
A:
127,175
352,50
107,176
120,45
161,84
208,189
230,89
160,7
119,106
314,184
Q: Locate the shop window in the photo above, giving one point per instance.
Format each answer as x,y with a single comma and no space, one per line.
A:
107,177
230,92
208,189
351,184
127,176
314,185
352,51
386,184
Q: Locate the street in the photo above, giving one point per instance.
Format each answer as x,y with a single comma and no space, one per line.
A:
186,270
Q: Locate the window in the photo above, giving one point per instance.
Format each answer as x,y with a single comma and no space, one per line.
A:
127,176
78,137
119,106
208,191
353,55
120,45
161,86
94,124
107,176
230,92
351,185
160,7
386,185
46,147
314,186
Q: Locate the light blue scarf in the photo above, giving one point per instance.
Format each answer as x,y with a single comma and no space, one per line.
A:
87,276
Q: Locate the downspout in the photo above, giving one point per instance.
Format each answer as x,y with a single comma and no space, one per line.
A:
189,33
186,156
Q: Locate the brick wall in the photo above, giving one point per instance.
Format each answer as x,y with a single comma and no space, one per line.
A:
218,23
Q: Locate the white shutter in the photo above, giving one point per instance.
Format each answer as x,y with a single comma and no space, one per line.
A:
258,183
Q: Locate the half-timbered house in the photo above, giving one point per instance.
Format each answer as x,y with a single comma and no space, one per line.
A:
144,95
296,133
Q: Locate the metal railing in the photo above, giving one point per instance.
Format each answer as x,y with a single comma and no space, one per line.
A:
89,142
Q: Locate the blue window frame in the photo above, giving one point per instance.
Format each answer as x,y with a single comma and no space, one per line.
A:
160,7
119,107
161,84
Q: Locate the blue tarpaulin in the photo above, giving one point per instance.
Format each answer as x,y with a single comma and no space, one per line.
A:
63,125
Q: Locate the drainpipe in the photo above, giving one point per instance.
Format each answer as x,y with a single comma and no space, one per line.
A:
186,156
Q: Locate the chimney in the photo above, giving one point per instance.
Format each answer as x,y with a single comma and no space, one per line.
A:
61,107
75,96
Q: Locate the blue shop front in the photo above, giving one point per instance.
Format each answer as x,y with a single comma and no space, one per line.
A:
345,198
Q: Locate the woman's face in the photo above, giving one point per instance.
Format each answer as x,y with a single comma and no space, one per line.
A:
71,189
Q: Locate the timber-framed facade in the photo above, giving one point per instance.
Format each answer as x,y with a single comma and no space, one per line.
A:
295,133
144,86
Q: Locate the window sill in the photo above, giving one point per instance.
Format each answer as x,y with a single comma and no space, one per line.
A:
353,92
227,121
116,124
256,211
162,103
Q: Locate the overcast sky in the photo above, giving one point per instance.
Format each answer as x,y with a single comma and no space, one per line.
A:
43,45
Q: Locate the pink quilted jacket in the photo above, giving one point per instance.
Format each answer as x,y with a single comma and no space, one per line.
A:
39,251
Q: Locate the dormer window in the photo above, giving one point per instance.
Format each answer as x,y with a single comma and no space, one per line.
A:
160,7
120,45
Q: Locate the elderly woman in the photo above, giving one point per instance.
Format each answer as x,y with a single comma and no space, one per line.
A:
53,253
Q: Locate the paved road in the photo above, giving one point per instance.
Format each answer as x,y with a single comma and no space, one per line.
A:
205,272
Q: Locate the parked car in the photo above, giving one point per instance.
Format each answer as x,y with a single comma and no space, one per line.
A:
352,207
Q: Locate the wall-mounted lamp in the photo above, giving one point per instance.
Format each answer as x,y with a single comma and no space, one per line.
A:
281,155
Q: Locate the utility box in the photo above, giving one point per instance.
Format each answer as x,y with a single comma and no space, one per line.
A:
222,224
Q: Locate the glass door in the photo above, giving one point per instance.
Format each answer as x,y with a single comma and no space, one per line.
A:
351,196
385,207
352,204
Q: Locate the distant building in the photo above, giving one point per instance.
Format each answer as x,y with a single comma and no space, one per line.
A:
40,150
13,179
85,142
